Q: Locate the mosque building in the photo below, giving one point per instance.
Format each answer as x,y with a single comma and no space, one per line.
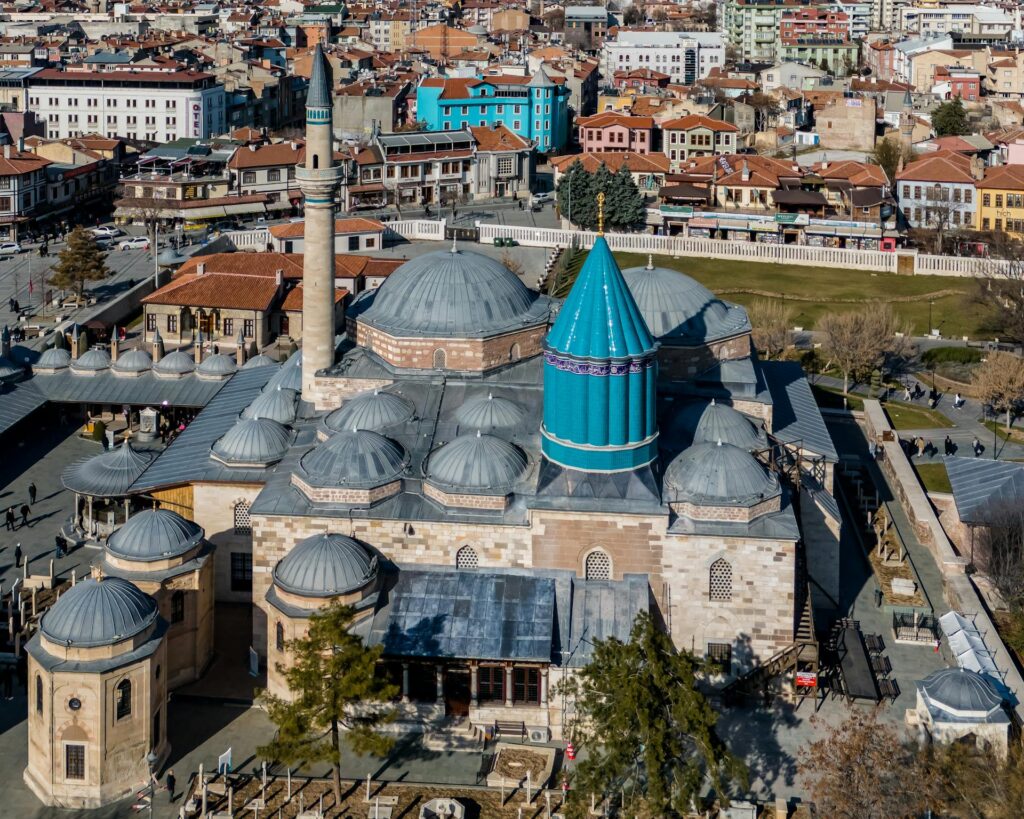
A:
492,479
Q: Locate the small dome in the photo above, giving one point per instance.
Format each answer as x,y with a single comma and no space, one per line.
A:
109,474
9,371
217,365
276,404
356,458
490,413
451,294
55,358
133,362
175,363
154,534
476,463
326,565
98,613
259,361
675,306
252,442
370,410
289,377
961,692
701,423
719,475
91,361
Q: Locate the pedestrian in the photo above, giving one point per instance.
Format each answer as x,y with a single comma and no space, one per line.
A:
920,446
948,445
907,396
17,556
170,785
958,401
32,493
58,541
9,518
24,514
976,446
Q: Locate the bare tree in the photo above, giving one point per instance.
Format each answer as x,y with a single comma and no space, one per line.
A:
771,322
1002,290
864,769
943,214
1000,382
861,340
1000,550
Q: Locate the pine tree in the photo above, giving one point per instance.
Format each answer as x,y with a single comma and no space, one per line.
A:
625,209
80,262
649,734
950,119
333,687
602,182
576,196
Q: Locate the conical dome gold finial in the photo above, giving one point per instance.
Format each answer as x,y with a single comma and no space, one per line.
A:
600,214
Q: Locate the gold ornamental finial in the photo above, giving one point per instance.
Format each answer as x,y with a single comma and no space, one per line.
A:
600,214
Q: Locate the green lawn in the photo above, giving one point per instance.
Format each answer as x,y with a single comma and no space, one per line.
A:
812,291
910,416
1015,433
832,398
934,477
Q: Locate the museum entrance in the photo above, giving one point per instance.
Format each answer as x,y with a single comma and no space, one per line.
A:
456,691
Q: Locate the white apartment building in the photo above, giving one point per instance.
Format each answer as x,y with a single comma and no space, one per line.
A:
858,16
686,56
963,18
150,106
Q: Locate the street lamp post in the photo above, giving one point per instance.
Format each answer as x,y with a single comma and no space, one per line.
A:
930,325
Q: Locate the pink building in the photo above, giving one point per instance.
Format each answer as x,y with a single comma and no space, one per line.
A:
609,131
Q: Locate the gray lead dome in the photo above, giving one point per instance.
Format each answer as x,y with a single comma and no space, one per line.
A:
490,413
96,613
451,294
133,362
719,475
476,463
702,423
370,410
961,692
175,364
252,442
91,361
324,566
154,534
356,458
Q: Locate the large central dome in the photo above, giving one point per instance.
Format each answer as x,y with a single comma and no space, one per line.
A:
451,294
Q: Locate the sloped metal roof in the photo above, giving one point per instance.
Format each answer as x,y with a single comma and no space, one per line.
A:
796,418
109,474
106,387
17,402
981,486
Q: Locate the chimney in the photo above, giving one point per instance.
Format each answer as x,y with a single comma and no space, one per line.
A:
79,342
279,279
240,349
21,144
115,345
201,269
252,147
158,347
199,347
7,151
977,167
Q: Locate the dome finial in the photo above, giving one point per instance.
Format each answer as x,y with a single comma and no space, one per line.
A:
712,402
478,433
600,214
455,245
650,261
719,442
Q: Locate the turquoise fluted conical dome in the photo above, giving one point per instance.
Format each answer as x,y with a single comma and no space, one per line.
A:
600,375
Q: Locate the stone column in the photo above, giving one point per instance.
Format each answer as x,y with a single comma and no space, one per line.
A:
405,682
474,685
439,669
508,686
543,688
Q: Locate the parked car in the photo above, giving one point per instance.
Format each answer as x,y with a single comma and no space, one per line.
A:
134,243
542,198
10,248
106,232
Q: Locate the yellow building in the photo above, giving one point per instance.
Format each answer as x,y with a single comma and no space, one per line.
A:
1001,200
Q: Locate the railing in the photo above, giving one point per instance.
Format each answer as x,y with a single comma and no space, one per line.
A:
249,239
428,229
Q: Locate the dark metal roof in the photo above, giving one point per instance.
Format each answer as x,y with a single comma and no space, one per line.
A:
981,487
796,418
17,402
106,387
188,457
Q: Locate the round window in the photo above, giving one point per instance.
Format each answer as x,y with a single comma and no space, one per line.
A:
74,703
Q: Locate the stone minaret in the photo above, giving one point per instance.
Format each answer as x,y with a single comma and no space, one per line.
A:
319,179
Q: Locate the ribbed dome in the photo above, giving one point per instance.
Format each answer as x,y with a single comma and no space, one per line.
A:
961,692
289,377
490,413
98,613
133,362
476,462
354,458
259,361
678,307
700,423
452,294
55,358
252,442
175,363
109,474
276,404
370,410
154,534
217,365
92,361
324,566
719,475
9,371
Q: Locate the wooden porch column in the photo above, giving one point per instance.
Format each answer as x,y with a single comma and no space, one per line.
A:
473,685
543,688
508,686
405,682
126,512
92,524
439,669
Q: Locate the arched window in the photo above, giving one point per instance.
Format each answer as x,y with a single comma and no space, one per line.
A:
243,525
598,566
39,694
720,580
316,162
514,353
123,699
279,636
466,558
178,606
440,359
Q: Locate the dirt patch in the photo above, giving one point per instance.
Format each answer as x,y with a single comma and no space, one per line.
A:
514,763
886,573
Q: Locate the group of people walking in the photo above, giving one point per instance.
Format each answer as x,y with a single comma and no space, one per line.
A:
11,515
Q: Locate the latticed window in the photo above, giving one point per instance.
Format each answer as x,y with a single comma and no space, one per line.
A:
598,566
440,359
720,654
123,697
243,524
279,637
74,762
720,581
466,558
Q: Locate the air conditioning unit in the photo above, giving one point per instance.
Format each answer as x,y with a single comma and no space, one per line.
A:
540,735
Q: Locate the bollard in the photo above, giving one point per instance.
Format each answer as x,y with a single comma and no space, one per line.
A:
529,787
204,799
368,780
34,601
289,784
231,800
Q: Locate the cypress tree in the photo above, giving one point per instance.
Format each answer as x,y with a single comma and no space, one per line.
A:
626,202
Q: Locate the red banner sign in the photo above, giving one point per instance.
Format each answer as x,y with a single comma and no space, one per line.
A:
806,679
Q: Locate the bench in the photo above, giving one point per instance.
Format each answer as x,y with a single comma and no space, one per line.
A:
889,689
510,727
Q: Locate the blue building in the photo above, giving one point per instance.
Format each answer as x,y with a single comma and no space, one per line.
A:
536,108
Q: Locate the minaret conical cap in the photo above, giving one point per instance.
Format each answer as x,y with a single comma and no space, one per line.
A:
319,95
